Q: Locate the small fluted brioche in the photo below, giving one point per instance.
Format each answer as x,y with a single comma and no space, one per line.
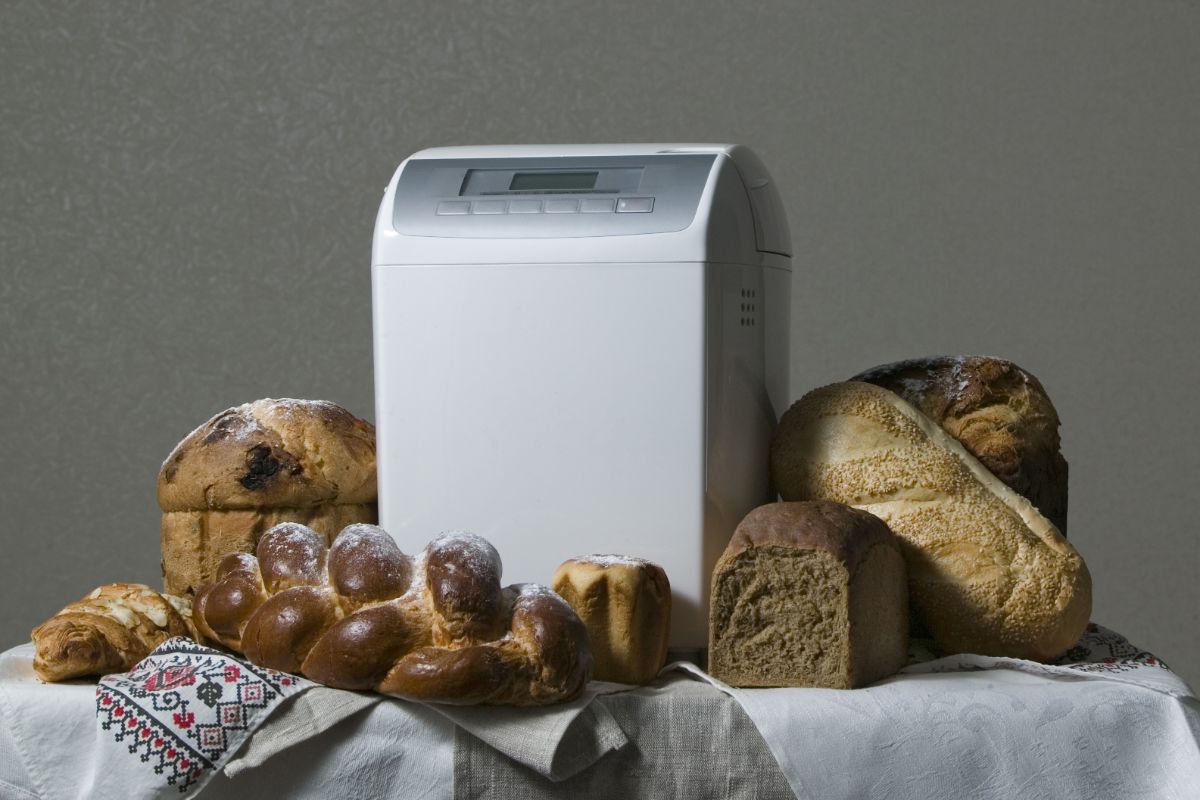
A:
110,630
998,411
363,615
252,467
808,594
988,574
625,603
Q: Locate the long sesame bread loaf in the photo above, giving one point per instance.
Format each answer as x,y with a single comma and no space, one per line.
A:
987,573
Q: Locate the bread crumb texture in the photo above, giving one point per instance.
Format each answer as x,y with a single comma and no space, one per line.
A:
780,619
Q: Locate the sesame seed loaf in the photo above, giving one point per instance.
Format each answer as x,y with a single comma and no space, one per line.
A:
987,572
998,411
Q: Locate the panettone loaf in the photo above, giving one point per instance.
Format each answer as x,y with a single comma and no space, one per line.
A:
254,466
808,594
625,603
998,411
987,572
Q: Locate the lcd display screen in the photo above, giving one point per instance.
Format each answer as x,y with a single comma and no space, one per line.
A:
553,181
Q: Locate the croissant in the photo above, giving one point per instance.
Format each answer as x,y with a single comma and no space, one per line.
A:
110,630
361,614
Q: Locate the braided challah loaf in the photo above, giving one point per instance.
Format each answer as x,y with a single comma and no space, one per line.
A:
363,615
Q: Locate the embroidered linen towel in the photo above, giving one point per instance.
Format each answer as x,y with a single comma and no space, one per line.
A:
178,716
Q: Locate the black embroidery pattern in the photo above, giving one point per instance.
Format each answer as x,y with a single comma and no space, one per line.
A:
184,706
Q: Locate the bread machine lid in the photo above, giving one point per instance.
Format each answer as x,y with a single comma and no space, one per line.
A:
770,219
549,197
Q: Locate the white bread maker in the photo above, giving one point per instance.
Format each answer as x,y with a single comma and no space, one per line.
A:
581,349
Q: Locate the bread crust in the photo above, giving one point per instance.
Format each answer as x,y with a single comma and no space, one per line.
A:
844,532
272,453
109,630
194,542
254,466
625,603
987,572
998,411
850,630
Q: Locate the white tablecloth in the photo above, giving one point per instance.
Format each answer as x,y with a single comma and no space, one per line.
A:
984,730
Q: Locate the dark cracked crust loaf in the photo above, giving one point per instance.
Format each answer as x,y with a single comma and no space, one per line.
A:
256,465
998,411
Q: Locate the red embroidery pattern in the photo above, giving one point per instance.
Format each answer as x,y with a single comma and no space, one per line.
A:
1102,650
185,708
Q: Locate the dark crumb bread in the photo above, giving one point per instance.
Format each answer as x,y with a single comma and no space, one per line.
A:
998,411
808,594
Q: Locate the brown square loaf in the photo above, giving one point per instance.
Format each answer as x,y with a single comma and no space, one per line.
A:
808,594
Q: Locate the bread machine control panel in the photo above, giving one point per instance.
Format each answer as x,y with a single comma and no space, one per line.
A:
513,198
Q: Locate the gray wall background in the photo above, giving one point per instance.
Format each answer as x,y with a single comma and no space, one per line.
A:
187,198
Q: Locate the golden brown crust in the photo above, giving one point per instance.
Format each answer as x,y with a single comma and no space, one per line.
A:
359,650
625,604
998,411
435,627
291,555
366,565
462,578
252,467
280,632
110,630
491,673
555,643
545,660
221,608
272,454
988,573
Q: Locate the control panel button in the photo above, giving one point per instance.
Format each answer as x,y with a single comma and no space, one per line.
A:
596,205
453,207
524,206
562,206
635,205
488,207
